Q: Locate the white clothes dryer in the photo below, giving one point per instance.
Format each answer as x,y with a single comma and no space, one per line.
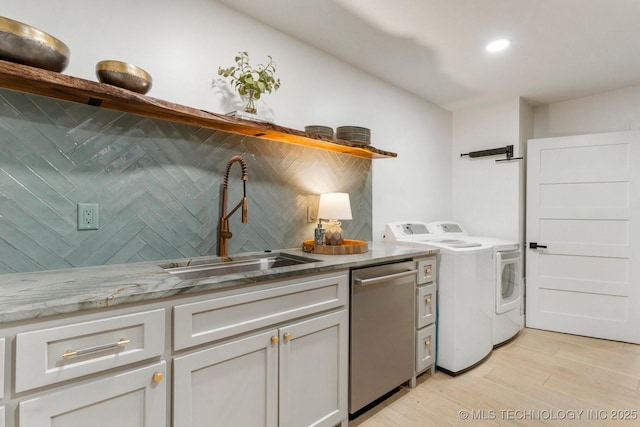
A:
464,336
508,290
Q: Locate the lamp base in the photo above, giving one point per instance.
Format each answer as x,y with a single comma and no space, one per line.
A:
333,234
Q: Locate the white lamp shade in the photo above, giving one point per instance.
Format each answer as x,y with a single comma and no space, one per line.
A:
334,206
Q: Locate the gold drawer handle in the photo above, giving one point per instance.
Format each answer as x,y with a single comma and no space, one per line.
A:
287,337
158,377
427,343
427,271
428,300
71,353
275,340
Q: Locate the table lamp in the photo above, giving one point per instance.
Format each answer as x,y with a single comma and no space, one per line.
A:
334,207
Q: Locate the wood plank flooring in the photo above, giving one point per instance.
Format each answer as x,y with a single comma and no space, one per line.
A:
541,378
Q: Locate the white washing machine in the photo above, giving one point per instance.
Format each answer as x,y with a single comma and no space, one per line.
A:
508,290
464,335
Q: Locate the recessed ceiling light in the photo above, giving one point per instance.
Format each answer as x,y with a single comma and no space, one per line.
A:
498,45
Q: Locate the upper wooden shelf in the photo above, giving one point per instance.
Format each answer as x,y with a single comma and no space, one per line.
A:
61,86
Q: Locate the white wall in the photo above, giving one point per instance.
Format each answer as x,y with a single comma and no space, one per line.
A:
416,186
182,44
612,111
488,196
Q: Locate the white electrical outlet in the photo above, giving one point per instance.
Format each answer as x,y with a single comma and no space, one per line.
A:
87,216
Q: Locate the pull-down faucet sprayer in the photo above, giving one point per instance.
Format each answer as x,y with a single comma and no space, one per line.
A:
225,233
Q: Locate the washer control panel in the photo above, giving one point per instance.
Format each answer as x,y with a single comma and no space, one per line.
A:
404,230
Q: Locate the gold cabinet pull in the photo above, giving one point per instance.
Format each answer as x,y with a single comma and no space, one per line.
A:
71,353
428,300
157,377
427,343
427,271
287,337
275,340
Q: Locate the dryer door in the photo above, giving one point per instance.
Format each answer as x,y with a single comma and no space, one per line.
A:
508,295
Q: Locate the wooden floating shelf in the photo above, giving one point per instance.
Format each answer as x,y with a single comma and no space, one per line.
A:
60,86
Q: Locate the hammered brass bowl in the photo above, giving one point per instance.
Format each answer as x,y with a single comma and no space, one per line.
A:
124,75
28,45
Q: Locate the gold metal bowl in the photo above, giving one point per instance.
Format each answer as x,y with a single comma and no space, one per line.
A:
124,75
28,45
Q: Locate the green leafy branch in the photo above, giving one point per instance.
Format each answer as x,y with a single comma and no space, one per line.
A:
251,81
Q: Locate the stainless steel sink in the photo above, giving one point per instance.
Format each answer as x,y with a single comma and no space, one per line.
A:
236,265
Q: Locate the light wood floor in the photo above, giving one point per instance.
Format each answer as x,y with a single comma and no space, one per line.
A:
540,379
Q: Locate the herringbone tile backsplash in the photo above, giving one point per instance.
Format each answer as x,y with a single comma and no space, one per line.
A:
157,184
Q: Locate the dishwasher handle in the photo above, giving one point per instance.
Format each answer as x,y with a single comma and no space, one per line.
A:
379,279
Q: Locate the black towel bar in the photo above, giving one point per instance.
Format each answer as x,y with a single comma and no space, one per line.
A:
508,150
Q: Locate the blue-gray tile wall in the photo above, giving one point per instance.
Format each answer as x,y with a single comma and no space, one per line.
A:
158,186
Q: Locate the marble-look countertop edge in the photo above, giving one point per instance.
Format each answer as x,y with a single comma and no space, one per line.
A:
27,296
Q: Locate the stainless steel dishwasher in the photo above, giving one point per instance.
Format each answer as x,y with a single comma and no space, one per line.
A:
382,347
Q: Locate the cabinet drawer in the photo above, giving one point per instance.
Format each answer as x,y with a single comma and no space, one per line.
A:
133,398
205,321
48,356
1,368
426,270
426,309
425,348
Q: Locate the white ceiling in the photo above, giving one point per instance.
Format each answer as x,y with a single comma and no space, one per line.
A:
561,49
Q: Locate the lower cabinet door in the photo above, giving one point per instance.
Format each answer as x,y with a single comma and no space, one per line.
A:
233,384
134,398
426,305
425,348
313,371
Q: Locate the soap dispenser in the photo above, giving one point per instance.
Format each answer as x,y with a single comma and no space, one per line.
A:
319,234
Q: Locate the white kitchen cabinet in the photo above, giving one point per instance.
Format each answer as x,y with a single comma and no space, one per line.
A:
274,354
425,348
313,371
265,379
267,349
135,398
98,369
235,384
427,271
213,319
54,354
426,305
426,314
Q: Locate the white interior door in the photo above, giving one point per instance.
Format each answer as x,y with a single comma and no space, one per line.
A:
583,204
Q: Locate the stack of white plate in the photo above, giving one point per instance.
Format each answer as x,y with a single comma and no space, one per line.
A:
356,134
317,130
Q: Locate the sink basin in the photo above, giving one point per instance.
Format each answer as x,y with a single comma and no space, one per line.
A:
236,265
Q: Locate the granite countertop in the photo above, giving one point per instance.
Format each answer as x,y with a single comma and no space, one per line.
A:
25,296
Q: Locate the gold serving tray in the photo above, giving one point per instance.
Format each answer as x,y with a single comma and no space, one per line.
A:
348,247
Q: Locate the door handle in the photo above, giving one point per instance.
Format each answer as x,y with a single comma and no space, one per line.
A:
535,245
